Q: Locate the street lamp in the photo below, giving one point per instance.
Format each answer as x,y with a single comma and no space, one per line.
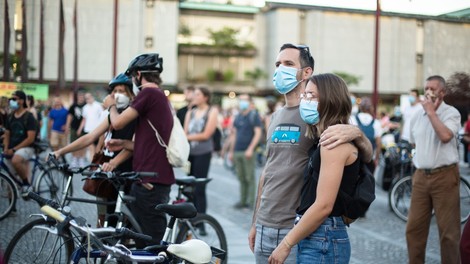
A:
375,96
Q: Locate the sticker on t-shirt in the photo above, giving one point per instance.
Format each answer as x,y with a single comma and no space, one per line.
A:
286,133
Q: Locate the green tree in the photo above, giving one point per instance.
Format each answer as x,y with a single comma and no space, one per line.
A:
255,74
224,37
15,66
349,79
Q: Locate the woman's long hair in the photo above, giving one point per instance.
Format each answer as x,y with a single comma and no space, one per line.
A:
334,105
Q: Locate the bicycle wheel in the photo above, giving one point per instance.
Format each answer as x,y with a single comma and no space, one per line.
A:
464,200
8,195
38,242
207,229
51,183
400,197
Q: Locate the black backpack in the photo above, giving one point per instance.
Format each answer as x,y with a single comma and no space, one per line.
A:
357,204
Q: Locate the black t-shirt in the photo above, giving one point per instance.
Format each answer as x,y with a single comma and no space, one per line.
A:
19,127
311,174
125,133
76,111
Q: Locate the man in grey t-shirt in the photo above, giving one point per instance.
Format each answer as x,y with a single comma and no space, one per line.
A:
287,154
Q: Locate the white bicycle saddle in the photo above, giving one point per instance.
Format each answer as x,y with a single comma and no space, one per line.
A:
194,250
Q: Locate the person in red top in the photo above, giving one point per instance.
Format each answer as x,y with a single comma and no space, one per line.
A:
150,104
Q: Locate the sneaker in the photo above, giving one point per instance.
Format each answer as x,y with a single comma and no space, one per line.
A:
25,189
82,162
13,213
74,163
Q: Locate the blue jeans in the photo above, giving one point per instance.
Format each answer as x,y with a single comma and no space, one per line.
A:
328,244
267,239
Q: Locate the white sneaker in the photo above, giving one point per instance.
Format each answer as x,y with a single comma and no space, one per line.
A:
74,163
82,162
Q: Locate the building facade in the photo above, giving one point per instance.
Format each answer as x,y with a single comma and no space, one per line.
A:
192,38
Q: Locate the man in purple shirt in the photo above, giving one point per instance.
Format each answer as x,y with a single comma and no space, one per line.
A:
150,104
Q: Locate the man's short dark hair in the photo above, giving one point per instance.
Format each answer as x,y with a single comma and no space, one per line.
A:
306,59
416,91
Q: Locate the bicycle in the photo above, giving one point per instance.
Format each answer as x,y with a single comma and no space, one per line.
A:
400,193
40,234
202,226
183,229
44,179
70,228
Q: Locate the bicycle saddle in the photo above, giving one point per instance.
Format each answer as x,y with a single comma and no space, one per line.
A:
194,250
181,210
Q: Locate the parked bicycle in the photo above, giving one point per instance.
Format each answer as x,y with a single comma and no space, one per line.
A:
183,229
45,180
400,193
79,241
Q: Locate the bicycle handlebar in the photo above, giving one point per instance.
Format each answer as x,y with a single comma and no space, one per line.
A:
43,201
113,174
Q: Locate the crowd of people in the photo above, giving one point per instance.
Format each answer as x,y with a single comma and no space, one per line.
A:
320,126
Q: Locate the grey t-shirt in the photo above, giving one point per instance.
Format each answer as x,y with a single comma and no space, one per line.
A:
287,151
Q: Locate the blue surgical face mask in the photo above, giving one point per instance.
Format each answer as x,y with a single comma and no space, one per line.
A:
309,111
412,99
285,79
14,105
243,105
353,100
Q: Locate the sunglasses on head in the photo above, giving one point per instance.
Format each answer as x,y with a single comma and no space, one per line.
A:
303,47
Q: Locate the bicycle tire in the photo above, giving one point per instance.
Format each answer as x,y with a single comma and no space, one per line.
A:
34,243
50,184
8,195
214,237
400,197
464,200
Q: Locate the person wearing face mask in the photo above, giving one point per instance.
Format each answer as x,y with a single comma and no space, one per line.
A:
120,88
245,136
325,103
434,129
408,113
287,150
149,106
20,133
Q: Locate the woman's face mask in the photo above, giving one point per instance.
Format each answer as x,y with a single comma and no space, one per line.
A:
309,111
122,100
13,105
285,79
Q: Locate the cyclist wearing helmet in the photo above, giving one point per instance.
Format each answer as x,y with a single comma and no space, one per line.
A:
150,104
120,87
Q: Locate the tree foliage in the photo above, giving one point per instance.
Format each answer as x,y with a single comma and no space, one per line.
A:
349,79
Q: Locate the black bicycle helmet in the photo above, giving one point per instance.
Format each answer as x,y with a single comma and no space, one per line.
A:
120,79
145,62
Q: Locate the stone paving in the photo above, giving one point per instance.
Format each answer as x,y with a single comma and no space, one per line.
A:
378,238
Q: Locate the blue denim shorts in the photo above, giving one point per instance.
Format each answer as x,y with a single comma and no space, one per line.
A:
328,244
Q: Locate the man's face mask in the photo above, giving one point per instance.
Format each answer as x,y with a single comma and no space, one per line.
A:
14,104
243,105
285,79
